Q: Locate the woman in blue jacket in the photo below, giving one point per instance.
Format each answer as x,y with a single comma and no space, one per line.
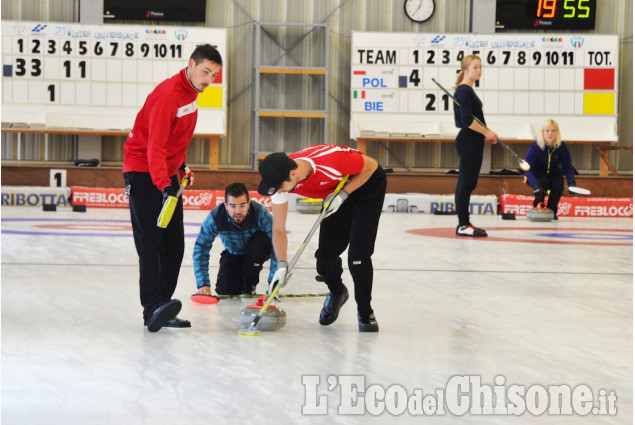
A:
550,160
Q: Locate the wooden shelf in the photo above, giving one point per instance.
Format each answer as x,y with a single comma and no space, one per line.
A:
212,138
287,70
66,131
291,114
602,147
605,162
279,72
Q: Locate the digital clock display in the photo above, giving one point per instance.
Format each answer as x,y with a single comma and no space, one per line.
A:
546,14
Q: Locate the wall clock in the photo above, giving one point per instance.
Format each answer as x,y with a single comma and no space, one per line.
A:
419,10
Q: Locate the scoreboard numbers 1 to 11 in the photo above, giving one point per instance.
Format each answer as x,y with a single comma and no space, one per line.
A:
98,48
538,57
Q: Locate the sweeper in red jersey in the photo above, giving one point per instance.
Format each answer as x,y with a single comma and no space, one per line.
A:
351,219
153,165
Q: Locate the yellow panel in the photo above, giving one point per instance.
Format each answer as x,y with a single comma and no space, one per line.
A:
599,103
212,97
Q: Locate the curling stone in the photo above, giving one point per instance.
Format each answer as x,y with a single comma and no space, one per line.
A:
540,214
273,319
309,206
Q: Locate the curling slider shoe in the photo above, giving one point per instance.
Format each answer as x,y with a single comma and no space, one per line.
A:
471,231
204,299
540,215
163,314
274,317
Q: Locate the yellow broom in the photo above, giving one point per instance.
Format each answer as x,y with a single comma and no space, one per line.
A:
169,206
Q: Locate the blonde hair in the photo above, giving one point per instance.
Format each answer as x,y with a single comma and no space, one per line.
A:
465,64
541,140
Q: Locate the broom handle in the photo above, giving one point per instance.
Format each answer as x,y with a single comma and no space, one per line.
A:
317,223
502,144
296,257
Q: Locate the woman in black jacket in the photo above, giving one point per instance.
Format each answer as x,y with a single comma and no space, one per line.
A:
469,142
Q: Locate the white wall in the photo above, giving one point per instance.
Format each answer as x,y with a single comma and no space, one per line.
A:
344,16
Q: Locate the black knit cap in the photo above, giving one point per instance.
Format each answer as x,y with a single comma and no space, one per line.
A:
274,170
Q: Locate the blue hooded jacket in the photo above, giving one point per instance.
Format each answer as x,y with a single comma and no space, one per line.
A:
235,238
548,161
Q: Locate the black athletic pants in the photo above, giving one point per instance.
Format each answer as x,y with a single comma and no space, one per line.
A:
554,182
469,145
238,272
354,225
160,250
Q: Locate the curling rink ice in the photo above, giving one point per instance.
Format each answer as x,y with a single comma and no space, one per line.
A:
534,306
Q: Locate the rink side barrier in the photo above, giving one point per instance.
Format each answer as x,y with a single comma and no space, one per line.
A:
93,197
35,196
192,199
428,204
570,206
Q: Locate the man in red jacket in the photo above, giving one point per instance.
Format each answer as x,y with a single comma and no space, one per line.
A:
351,219
153,154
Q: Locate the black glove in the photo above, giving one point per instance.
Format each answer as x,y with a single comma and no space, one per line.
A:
572,183
167,192
539,194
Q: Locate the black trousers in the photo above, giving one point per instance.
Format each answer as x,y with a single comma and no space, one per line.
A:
243,271
469,145
354,225
160,250
554,182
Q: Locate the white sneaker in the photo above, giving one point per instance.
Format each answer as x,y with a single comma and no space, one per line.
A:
470,230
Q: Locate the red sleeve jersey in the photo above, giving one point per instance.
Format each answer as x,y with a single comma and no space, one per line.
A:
330,164
162,130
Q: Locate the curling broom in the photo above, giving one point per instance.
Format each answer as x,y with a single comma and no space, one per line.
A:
578,190
251,330
169,206
523,164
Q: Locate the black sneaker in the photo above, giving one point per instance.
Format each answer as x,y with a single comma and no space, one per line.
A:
368,324
163,314
470,230
177,323
332,305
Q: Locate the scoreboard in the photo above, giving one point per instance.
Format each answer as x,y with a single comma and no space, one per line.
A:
98,76
526,79
546,14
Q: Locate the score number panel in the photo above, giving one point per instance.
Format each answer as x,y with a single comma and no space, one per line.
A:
60,74
525,76
546,14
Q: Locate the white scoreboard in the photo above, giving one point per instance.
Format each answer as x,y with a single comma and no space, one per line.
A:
98,76
526,79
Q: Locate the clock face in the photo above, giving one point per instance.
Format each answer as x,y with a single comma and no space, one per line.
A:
419,10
